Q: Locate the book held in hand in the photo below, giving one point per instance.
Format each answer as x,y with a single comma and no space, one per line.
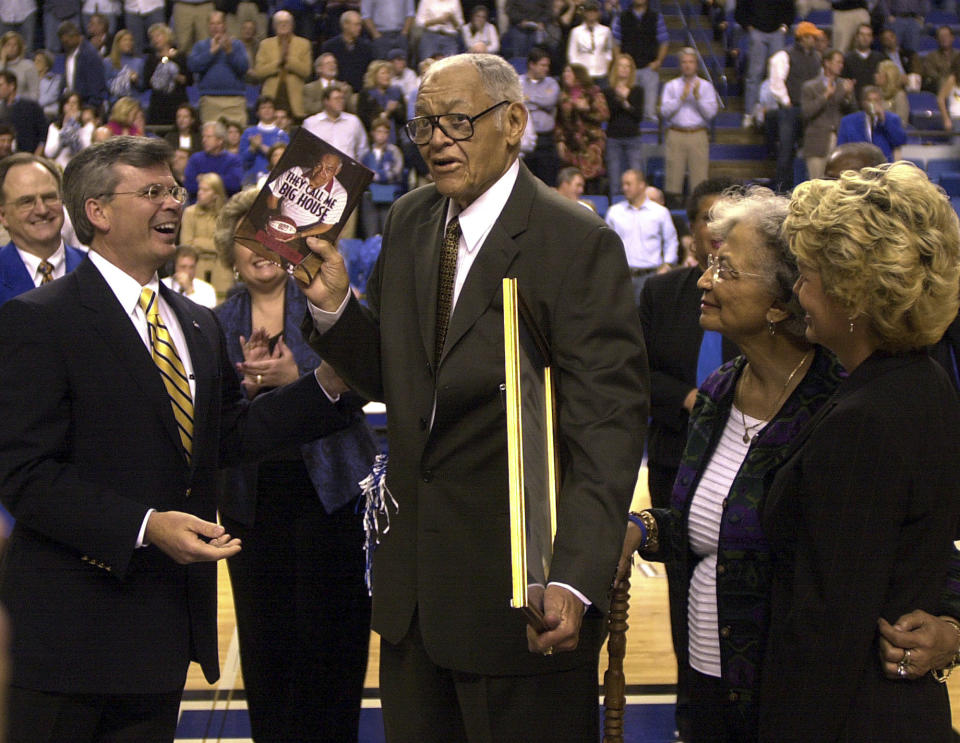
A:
310,193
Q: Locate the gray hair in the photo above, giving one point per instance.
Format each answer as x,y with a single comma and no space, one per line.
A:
223,236
497,76
91,174
687,51
282,15
219,130
765,212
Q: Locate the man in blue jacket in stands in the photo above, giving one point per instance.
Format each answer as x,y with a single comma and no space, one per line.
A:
219,64
873,123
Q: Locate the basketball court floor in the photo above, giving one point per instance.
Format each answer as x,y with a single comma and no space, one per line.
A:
217,714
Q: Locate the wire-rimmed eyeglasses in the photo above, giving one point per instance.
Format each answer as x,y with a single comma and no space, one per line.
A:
156,193
721,270
457,127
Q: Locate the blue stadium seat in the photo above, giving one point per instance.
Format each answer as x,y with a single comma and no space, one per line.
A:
738,152
656,170
384,193
950,182
955,203
937,18
925,43
800,173
820,18
924,110
600,202
519,64
937,167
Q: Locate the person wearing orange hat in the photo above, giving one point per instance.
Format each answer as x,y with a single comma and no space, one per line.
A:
788,71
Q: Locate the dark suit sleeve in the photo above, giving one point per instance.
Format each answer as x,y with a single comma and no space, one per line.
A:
603,403
39,487
866,528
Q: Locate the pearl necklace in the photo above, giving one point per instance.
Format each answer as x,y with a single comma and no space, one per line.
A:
748,436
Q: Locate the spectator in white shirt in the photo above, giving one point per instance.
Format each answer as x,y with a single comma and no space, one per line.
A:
479,35
185,281
591,43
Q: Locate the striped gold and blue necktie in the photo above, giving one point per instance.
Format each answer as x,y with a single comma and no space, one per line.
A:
171,369
46,270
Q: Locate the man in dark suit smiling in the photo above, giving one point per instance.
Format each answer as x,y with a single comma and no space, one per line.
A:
456,661
120,409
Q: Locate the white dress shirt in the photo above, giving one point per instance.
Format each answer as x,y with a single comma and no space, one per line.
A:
591,47
346,132
203,293
32,262
127,291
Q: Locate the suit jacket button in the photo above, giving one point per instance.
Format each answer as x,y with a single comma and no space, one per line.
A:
733,697
188,492
427,475
423,424
721,570
725,632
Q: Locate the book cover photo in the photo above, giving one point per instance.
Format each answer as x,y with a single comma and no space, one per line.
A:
311,192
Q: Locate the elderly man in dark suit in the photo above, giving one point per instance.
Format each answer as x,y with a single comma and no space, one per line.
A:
456,661
120,408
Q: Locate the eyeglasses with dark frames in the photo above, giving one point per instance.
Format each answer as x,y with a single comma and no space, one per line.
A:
156,193
457,127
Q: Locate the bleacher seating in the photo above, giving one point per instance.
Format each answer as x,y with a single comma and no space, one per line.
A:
924,110
600,202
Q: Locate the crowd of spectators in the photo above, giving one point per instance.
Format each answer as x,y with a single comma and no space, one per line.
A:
228,89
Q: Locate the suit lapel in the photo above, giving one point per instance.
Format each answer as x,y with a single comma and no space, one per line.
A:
427,272
493,259
108,319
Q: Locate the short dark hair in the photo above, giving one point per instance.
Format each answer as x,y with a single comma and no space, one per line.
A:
91,174
185,250
568,174
536,54
330,90
709,187
68,28
9,77
25,158
264,99
6,128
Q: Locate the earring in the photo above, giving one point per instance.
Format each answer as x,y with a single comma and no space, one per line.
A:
851,325
236,275
771,328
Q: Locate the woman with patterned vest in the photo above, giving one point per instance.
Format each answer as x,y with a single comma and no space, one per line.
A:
746,415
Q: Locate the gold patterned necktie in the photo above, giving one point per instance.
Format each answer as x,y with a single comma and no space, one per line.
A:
448,275
168,361
46,268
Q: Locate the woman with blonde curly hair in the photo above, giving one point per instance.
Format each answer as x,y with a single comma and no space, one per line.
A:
890,81
862,515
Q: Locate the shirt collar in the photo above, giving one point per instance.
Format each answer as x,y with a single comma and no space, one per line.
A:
478,218
126,288
32,262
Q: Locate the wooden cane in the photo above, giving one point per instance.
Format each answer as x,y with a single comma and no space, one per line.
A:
614,685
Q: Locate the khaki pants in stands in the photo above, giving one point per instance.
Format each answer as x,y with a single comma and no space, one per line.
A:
845,23
247,11
816,165
190,23
231,107
686,151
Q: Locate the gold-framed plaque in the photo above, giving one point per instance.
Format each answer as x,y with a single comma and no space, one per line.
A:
532,455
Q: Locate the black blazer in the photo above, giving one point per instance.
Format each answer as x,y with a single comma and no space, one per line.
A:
447,552
861,521
88,444
670,316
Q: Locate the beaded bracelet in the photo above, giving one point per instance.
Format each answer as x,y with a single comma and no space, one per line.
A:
942,674
635,519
